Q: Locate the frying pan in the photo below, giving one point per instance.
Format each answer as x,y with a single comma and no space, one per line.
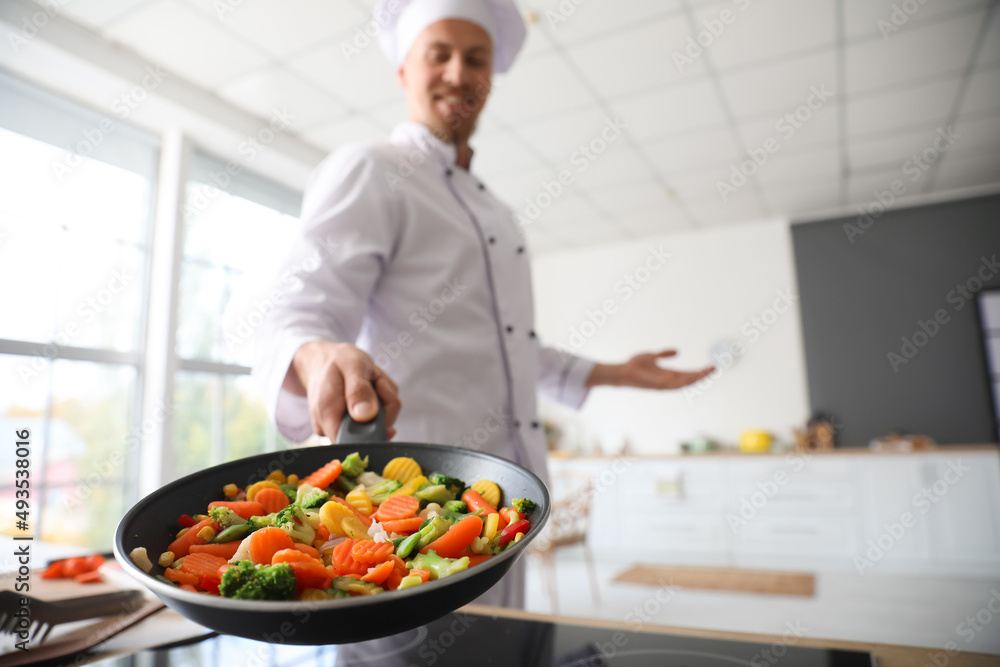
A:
337,621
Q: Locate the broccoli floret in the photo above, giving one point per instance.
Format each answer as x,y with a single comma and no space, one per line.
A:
309,496
293,520
381,491
247,581
258,522
523,505
453,484
435,493
353,465
290,490
439,567
225,517
456,506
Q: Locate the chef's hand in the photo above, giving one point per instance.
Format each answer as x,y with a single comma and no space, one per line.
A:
335,377
644,372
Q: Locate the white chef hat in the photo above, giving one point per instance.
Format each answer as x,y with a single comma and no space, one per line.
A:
402,20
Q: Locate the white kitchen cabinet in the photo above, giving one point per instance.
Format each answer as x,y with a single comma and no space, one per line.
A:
935,513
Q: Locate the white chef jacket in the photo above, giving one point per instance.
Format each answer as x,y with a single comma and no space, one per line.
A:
414,260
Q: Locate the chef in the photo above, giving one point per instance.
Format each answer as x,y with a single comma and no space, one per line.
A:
411,279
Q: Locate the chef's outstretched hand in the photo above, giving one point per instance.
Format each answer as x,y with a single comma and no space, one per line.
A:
336,377
644,372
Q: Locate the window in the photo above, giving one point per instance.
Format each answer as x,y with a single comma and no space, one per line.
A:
74,258
234,241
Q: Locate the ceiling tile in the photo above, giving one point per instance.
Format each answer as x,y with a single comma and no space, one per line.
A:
185,43
262,90
870,18
545,86
968,171
388,116
365,81
281,30
560,139
806,196
767,29
976,131
781,87
700,186
622,199
515,189
862,186
693,152
990,51
983,91
888,151
500,154
740,207
346,130
659,220
536,43
97,13
669,112
782,168
938,48
569,23
928,103
565,209
793,131
620,164
635,61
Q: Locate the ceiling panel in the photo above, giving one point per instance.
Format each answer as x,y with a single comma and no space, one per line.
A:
300,23
645,194
98,13
635,61
264,89
680,108
364,81
562,139
568,23
889,150
983,92
793,130
968,171
766,30
782,168
913,54
804,196
881,18
344,131
694,152
788,84
186,43
619,164
882,113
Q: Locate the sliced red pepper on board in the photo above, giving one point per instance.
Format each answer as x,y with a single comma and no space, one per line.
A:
512,530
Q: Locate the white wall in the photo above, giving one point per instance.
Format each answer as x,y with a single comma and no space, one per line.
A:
710,288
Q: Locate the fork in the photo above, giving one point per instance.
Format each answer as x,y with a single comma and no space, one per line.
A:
45,615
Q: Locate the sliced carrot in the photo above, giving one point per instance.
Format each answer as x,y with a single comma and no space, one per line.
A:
202,564
273,500
225,550
400,571
397,507
379,573
243,508
424,575
182,544
457,538
370,551
344,561
476,559
477,502
322,533
306,549
303,564
265,542
89,577
325,476
189,587
174,574
402,526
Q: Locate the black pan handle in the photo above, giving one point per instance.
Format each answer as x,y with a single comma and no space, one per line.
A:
352,432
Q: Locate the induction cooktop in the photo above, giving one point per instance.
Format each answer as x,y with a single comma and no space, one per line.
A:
471,639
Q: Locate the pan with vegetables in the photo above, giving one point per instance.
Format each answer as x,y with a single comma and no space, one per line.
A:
333,544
